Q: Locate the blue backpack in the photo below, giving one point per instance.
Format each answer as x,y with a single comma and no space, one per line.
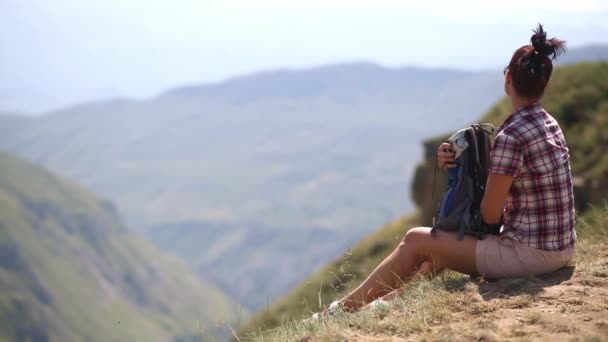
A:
459,208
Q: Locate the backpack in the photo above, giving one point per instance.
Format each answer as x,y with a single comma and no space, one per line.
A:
459,208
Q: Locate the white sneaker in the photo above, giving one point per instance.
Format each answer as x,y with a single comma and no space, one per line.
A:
379,304
334,308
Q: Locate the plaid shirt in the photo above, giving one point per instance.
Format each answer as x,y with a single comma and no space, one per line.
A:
539,208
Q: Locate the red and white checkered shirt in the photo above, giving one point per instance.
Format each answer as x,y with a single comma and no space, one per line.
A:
539,208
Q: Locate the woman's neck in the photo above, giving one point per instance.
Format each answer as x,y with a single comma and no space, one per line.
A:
521,102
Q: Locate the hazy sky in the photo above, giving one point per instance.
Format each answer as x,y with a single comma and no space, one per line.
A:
59,51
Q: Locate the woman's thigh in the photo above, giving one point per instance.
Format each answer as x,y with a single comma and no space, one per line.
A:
442,248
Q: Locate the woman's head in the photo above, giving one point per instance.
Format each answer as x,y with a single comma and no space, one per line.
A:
530,68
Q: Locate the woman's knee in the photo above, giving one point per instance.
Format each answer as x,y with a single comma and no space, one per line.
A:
416,234
415,246
415,238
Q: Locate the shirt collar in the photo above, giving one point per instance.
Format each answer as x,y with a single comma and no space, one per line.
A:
523,111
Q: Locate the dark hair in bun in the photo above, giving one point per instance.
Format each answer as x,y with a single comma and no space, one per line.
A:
531,65
552,47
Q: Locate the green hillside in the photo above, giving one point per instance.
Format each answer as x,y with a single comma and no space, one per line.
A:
578,98
69,270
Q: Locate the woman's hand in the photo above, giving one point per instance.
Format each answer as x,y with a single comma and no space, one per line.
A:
445,156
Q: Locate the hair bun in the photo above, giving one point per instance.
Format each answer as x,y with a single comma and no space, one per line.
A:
552,47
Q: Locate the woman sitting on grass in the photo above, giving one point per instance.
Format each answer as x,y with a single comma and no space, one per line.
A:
529,185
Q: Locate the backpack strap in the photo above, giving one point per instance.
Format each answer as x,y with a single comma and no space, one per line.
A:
434,228
461,230
482,150
487,127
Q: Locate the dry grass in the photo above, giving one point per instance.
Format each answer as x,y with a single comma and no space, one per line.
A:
567,305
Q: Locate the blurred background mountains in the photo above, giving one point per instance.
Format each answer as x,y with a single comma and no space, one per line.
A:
131,216
264,177
289,166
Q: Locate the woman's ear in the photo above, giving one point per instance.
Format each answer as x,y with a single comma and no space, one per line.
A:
508,82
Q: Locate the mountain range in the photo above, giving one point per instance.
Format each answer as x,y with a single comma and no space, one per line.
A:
263,177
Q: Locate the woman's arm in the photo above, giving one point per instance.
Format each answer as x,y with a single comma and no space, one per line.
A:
497,188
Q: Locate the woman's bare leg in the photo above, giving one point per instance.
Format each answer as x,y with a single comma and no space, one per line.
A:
426,269
417,249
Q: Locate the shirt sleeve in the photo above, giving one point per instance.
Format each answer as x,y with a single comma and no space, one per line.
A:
506,156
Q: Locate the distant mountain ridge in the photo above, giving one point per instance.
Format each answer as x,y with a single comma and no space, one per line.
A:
342,79
588,53
70,271
277,160
299,82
